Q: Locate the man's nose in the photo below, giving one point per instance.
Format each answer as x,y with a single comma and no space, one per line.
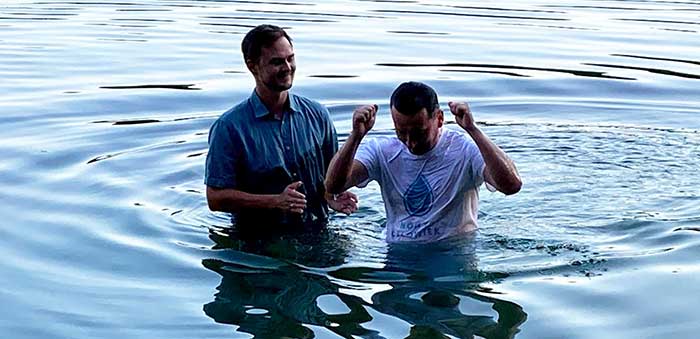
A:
411,143
288,66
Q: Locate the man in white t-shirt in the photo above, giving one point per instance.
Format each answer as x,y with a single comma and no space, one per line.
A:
429,175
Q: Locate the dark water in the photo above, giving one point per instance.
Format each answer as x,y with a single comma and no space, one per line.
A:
106,107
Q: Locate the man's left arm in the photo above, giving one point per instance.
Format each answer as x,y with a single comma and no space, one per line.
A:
345,202
499,169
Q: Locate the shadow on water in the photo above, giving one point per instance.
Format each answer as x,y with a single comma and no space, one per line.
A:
285,287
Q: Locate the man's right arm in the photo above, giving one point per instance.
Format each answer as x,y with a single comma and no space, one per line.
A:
344,171
220,178
232,200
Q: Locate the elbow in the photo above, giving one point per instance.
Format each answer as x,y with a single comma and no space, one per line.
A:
213,200
213,205
332,188
513,188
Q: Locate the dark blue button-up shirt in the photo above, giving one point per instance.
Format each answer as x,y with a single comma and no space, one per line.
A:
252,151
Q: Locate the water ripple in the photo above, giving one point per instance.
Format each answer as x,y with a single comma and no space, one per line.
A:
470,65
648,69
178,86
468,15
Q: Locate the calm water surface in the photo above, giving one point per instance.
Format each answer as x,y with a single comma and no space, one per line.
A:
106,107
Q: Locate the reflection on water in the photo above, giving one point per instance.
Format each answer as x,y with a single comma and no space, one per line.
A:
266,294
280,287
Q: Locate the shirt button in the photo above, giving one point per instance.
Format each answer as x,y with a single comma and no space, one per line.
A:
286,147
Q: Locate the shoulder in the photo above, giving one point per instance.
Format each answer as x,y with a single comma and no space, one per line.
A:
381,141
239,113
386,146
455,134
308,105
459,142
242,109
457,138
234,121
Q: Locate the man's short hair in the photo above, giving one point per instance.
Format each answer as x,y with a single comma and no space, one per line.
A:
259,37
411,97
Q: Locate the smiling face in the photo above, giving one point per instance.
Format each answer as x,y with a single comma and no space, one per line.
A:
275,67
418,132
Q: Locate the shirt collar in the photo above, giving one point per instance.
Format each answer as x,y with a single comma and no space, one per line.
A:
260,110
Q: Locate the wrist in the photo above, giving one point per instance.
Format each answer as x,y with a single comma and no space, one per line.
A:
278,201
355,136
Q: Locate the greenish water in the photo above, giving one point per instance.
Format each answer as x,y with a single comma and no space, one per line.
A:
105,112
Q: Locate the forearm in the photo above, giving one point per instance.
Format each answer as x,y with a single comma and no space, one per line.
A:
340,168
499,168
232,200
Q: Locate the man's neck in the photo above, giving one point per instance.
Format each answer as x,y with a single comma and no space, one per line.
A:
275,102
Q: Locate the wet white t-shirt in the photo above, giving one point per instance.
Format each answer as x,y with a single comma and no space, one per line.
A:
427,197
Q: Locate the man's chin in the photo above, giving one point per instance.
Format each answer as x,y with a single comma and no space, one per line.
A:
417,151
279,87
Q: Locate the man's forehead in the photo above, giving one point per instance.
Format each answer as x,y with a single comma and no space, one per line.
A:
421,113
279,48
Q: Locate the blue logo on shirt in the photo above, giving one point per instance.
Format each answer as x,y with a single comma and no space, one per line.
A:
418,198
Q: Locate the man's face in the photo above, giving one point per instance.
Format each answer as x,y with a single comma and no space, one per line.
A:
418,132
275,67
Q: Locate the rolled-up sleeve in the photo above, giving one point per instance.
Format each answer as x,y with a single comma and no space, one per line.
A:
223,156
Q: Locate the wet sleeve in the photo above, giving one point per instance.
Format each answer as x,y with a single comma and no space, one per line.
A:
222,158
368,155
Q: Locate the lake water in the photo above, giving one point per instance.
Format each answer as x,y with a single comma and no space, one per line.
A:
106,107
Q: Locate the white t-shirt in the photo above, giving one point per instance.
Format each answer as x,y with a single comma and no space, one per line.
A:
427,197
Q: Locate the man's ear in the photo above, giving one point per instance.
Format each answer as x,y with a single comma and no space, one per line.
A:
441,117
251,66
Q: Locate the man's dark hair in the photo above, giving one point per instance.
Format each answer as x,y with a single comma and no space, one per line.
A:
259,37
411,97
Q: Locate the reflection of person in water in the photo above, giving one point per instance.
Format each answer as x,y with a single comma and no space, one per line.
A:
443,299
432,289
275,298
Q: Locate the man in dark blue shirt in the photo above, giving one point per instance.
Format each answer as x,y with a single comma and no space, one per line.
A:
268,155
